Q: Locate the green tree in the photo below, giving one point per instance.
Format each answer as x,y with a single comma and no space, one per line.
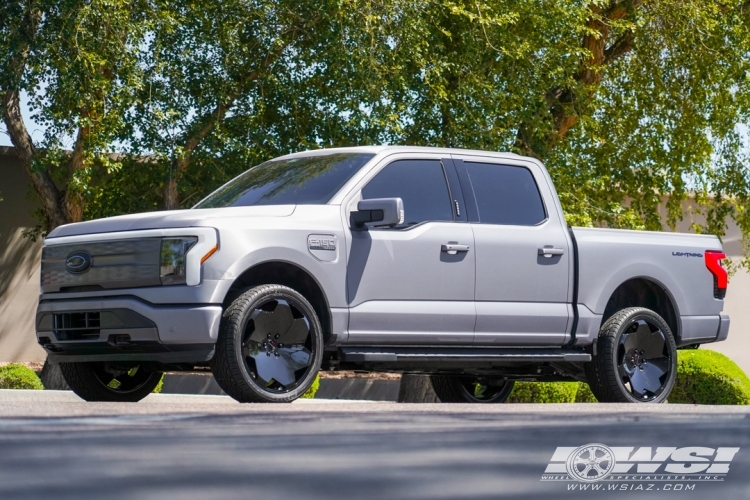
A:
627,101
204,65
78,63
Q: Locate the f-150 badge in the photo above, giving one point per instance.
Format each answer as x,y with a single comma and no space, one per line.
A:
323,246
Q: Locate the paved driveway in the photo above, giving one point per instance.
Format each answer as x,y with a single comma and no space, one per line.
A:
209,447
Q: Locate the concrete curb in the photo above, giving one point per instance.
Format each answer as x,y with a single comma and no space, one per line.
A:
191,383
356,389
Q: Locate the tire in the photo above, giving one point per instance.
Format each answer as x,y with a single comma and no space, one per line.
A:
636,359
456,389
109,382
252,364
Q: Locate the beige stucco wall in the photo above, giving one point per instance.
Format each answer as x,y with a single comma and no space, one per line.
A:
19,275
19,264
737,302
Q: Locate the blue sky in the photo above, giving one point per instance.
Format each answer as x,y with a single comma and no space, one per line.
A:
36,130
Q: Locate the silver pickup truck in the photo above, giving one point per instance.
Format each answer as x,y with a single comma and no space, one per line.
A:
447,262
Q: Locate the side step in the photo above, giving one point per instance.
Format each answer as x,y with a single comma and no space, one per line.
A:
470,355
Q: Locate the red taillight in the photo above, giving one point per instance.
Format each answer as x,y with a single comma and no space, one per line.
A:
713,263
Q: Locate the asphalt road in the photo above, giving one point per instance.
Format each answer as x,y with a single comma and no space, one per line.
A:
55,446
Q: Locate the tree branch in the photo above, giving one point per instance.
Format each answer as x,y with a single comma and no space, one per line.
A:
591,71
206,124
620,47
10,106
180,164
48,193
72,199
619,10
10,81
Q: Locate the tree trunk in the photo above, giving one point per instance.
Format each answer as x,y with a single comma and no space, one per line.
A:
416,388
171,195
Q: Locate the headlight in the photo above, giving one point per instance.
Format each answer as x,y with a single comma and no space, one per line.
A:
172,265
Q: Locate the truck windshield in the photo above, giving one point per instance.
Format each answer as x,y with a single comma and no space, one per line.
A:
306,180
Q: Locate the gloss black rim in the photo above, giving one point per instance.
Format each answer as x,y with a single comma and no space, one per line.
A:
277,347
480,392
121,379
644,360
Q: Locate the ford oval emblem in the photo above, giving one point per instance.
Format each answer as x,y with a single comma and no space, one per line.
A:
78,262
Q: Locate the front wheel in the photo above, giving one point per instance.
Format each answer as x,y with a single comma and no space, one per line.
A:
458,389
270,346
109,381
636,360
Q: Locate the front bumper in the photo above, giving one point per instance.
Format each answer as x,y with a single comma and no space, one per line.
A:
126,329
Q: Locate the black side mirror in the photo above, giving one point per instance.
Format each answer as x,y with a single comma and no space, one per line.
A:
380,212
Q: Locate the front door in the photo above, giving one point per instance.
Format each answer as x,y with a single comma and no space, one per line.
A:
404,284
522,253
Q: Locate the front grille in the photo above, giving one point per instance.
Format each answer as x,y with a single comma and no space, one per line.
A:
89,325
114,264
77,326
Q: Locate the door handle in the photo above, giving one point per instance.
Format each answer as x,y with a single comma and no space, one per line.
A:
453,248
548,251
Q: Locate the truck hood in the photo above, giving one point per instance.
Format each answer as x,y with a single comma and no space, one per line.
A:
168,219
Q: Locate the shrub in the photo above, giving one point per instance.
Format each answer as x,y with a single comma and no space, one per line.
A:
310,393
703,377
16,376
544,392
710,378
584,394
159,386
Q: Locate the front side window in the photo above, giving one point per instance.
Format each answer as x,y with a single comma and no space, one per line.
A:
505,194
306,180
420,184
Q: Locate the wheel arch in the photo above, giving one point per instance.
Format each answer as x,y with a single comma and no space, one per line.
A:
643,291
281,272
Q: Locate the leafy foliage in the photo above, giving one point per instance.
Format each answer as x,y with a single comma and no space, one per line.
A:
159,386
544,392
78,63
634,106
703,377
709,378
15,376
310,393
584,394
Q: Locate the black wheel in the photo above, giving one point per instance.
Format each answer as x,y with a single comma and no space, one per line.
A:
109,381
636,360
457,389
270,346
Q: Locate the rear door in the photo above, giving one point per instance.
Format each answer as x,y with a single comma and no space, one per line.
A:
523,257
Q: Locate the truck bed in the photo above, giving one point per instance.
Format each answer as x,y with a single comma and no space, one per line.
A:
674,262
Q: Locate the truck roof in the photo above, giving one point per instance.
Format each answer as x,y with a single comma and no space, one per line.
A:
399,149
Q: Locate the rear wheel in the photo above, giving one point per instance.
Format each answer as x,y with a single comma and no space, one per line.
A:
270,346
636,360
459,389
109,381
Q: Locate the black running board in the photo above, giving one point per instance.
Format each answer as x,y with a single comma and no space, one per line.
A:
461,355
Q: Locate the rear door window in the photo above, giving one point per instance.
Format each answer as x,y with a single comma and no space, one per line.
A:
506,194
